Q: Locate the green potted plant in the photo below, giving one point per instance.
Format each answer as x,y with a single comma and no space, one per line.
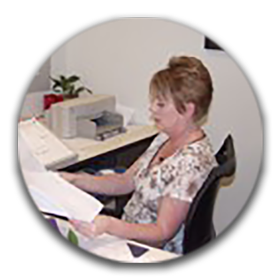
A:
67,86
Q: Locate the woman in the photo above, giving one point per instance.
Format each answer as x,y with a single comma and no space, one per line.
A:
168,175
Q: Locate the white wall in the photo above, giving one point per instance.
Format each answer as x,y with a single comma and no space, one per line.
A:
119,57
41,81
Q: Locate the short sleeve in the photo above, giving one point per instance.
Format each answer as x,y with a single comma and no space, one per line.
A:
184,179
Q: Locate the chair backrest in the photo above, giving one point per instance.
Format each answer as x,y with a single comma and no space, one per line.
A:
199,227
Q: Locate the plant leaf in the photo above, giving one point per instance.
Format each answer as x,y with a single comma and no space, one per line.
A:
88,90
55,80
72,237
65,85
57,83
73,79
71,90
55,86
62,78
80,89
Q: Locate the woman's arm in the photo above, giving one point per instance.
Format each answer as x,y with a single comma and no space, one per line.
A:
110,184
172,213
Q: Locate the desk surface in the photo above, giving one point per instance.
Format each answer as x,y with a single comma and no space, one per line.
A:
114,248
86,148
89,148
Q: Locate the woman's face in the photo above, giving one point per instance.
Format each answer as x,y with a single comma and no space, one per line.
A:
165,115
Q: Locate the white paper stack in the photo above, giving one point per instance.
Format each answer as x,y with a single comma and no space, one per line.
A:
53,194
45,146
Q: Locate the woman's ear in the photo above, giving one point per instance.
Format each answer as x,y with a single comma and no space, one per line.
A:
190,110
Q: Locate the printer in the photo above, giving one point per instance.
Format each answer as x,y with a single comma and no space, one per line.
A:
88,117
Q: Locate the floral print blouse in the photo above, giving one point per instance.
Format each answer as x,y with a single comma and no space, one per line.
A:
179,176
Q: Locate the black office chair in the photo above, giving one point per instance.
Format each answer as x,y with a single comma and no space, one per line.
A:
199,228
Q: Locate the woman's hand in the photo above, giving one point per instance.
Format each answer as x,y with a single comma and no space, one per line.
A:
70,177
100,225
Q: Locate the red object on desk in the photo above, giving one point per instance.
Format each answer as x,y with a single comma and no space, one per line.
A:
52,98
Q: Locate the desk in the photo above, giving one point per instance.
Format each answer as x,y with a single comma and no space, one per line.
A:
114,248
89,148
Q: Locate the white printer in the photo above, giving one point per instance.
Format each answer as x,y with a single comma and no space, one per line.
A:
89,117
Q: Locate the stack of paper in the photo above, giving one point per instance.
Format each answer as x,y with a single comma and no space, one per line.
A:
45,146
45,204
53,194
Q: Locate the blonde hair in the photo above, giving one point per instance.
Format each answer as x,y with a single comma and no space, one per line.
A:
185,80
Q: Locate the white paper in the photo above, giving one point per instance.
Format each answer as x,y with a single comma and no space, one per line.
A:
45,146
52,190
141,117
78,204
46,204
115,248
126,112
109,247
27,160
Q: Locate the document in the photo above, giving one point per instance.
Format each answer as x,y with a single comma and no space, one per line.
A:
45,146
126,112
56,191
53,194
45,204
28,161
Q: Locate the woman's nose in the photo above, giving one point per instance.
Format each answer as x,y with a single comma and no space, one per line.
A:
152,107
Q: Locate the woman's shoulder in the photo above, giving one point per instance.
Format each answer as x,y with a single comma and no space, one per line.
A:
199,153
201,147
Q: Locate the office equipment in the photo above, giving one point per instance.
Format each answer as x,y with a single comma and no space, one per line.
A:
89,117
45,146
89,148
